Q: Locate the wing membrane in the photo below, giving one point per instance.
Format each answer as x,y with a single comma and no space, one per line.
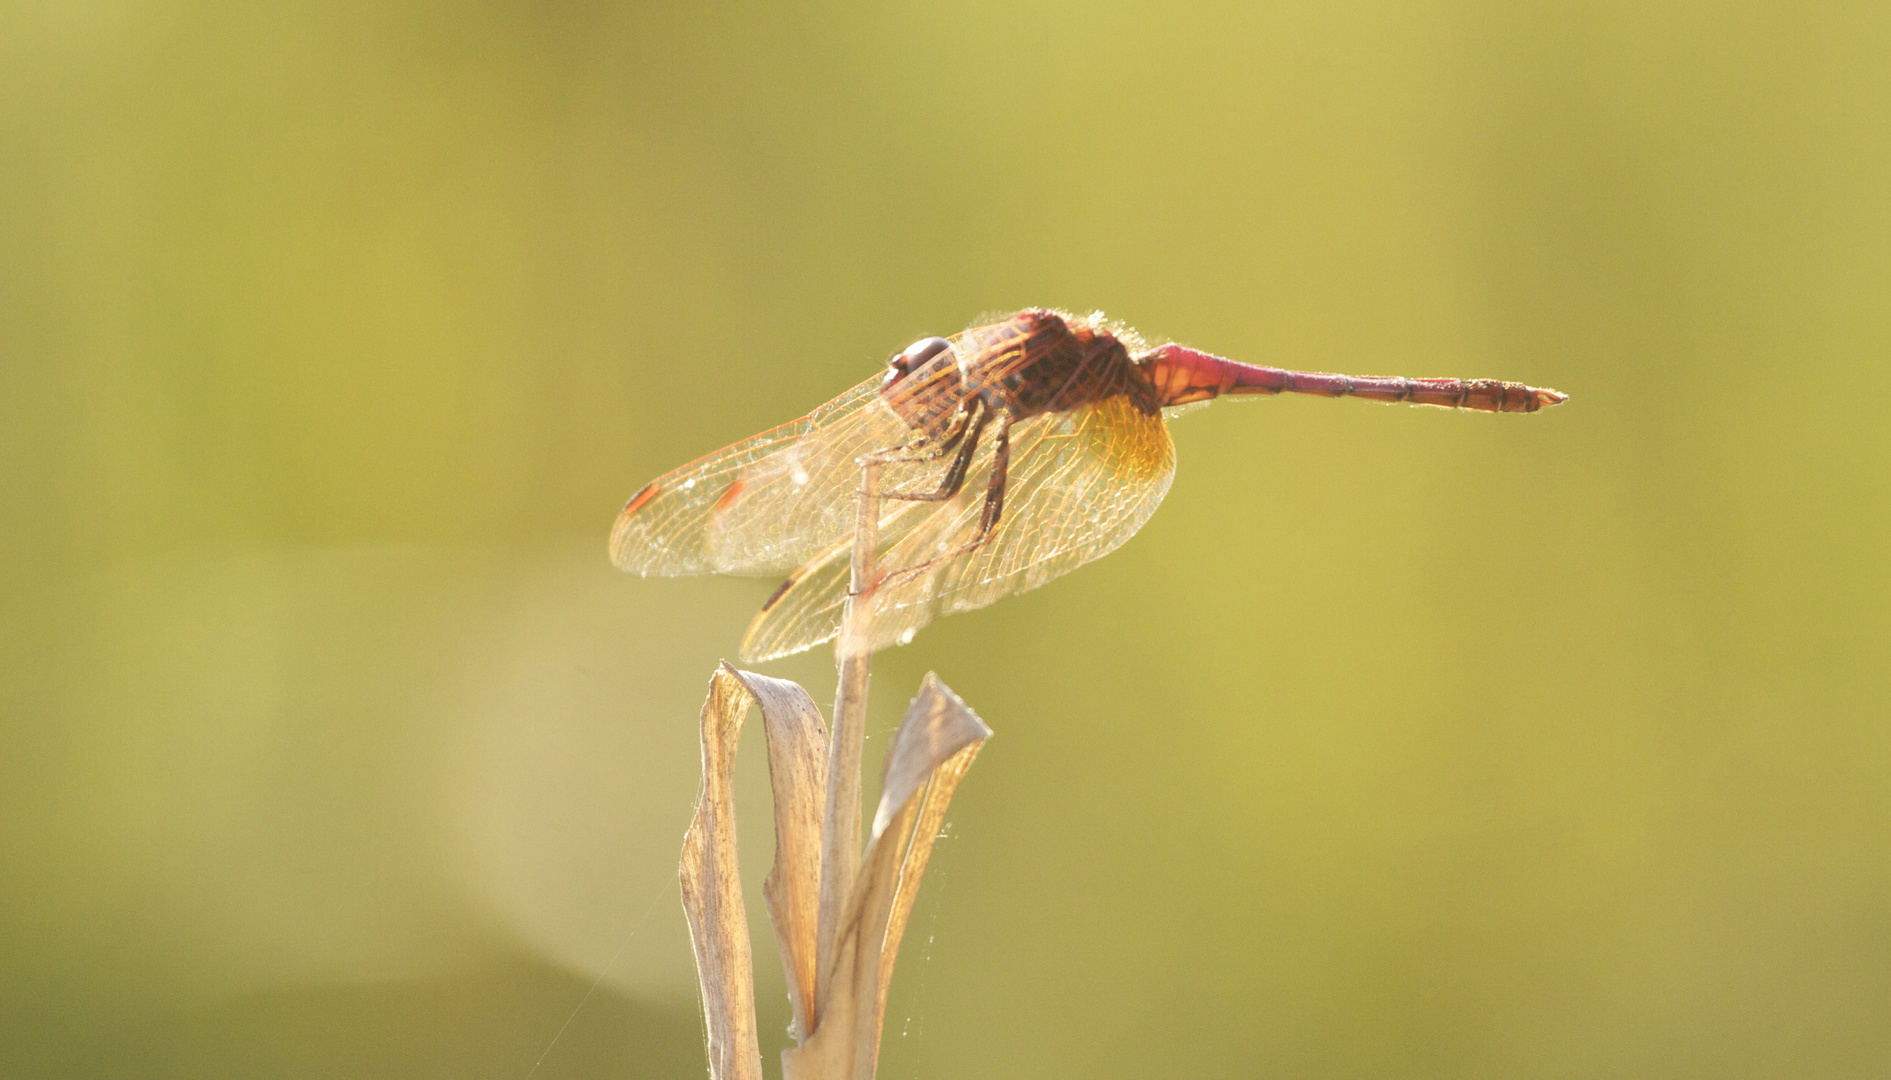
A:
805,611
763,505
1081,483
802,499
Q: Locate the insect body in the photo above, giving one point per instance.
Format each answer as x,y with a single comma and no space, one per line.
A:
1013,453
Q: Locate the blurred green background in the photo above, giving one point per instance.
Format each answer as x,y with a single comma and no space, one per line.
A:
1400,744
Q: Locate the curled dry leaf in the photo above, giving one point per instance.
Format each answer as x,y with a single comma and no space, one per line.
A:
797,771
712,893
712,889
934,746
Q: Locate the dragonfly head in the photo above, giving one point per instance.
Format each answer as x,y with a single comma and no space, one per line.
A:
913,357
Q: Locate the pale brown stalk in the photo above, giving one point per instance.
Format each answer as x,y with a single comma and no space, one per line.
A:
838,917
840,836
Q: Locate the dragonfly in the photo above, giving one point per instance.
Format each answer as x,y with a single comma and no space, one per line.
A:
1011,453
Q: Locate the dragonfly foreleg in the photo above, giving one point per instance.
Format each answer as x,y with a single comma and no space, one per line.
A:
994,506
951,441
954,478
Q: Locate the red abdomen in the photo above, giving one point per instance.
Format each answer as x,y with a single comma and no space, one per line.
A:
1181,375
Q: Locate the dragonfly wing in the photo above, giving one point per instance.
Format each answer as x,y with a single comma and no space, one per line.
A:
795,503
806,610
1081,483
740,510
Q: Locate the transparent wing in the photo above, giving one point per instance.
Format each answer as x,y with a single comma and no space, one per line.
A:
783,509
763,505
1080,485
805,611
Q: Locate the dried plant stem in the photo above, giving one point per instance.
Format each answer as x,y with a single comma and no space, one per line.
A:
838,921
840,832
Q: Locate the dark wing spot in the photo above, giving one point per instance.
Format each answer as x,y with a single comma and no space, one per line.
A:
779,593
728,497
650,491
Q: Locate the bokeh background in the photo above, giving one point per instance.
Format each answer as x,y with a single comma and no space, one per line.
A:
1401,743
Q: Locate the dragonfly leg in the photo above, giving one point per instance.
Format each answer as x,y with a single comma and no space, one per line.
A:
994,506
954,478
995,490
945,447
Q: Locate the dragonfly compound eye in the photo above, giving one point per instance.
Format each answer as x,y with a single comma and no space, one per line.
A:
914,357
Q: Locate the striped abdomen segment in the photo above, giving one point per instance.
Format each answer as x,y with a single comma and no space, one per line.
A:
1181,375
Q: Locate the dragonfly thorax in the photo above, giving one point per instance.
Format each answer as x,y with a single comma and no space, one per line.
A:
1037,361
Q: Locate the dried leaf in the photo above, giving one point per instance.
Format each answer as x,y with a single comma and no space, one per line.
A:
935,745
712,892
797,771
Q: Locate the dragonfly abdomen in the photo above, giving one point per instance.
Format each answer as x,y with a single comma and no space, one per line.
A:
1181,375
